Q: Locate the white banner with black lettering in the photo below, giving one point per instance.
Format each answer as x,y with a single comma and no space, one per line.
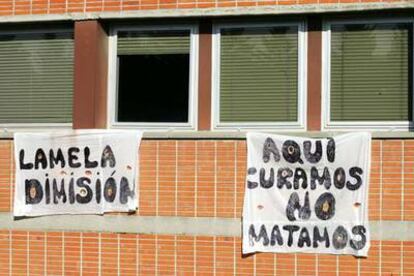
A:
307,195
76,172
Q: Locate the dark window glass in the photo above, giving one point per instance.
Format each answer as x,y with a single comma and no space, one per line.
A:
153,88
153,76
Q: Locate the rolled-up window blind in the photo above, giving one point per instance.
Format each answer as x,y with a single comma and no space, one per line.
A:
371,69
36,77
153,42
153,76
259,74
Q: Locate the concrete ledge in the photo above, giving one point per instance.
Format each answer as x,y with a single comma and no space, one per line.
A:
211,12
380,230
241,135
126,224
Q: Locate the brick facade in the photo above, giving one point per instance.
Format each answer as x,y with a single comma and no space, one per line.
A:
39,7
73,253
205,178
196,177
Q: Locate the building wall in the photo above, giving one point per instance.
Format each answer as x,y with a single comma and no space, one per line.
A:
40,7
191,189
205,179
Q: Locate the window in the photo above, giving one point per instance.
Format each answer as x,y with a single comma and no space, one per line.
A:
368,74
259,79
36,78
155,71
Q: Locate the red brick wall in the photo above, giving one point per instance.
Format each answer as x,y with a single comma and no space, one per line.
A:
205,178
26,7
72,253
198,178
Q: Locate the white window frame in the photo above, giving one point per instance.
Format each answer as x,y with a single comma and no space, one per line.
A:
300,124
113,80
14,127
327,124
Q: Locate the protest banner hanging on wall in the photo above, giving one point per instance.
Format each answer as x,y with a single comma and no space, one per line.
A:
76,172
307,195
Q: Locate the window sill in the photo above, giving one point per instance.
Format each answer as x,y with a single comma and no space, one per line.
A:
241,135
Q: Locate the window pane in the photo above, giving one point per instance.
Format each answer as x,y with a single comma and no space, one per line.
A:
153,76
259,74
370,72
36,78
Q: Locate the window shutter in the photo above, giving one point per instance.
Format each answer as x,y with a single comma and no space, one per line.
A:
259,74
153,42
370,72
36,77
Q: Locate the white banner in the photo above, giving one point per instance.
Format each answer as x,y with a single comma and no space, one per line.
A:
76,172
307,195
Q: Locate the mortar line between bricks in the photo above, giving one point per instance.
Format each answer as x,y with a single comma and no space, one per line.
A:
254,265
380,184
215,178
380,257
234,256
401,258
235,179
359,266
45,254
81,254
176,180
100,254
194,256
157,180
11,191
10,253
196,179
402,178
63,253
175,255
296,264
214,256
28,253
118,257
